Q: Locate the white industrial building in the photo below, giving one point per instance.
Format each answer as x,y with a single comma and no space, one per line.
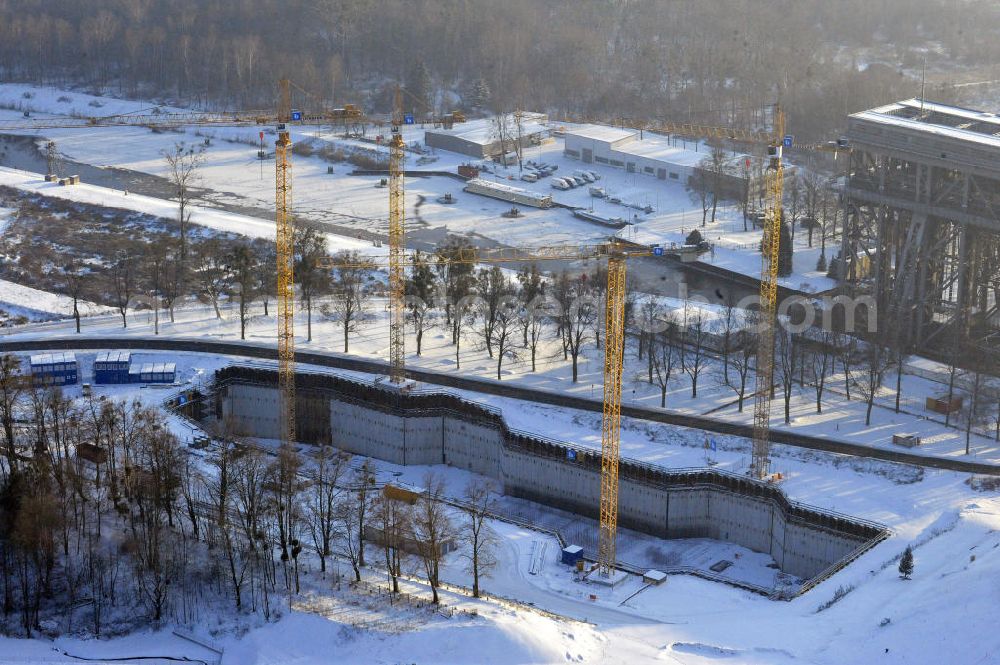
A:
637,152
481,138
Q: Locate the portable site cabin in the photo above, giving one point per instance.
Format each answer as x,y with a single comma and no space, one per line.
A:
54,369
571,554
112,367
654,577
153,373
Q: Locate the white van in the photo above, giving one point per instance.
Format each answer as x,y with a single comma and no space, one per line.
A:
529,177
559,183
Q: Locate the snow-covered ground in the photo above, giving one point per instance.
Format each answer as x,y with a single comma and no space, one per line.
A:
941,616
35,305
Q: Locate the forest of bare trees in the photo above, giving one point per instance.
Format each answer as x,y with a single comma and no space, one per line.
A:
618,57
108,523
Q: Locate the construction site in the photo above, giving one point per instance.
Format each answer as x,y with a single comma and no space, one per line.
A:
502,404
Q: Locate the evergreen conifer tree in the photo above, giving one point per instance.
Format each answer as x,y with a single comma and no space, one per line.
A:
480,94
906,563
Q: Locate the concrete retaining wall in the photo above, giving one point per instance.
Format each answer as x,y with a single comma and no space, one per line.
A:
430,429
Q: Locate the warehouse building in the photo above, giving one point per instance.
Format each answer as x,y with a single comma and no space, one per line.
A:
642,152
481,138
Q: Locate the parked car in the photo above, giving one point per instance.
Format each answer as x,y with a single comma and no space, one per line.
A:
559,183
580,182
529,177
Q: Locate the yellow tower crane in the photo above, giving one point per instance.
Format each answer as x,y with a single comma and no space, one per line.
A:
397,232
614,350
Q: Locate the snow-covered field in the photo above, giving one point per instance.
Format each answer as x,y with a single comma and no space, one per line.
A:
35,305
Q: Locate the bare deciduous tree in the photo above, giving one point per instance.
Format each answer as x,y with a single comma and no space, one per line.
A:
183,162
785,355
492,288
394,520
245,271
819,366
352,512
482,540
123,282
870,375
312,278
508,317
12,386
322,501
433,530
693,352
664,354
579,312
351,292
214,274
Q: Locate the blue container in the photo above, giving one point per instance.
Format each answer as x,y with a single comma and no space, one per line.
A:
571,554
112,367
153,373
54,369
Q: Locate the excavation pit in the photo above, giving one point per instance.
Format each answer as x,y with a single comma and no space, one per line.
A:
431,427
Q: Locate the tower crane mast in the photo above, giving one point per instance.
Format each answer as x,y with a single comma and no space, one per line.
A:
397,233
285,252
397,245
614,349
764,376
